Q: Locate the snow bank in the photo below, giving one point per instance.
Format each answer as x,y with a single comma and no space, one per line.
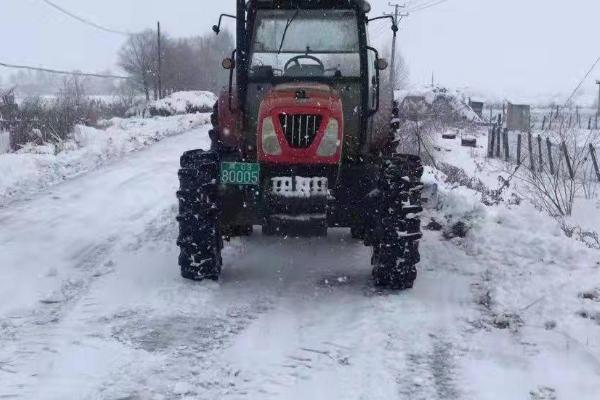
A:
178,103
532,278
37,167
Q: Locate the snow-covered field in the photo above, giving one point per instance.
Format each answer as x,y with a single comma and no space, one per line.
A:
36,167
92,305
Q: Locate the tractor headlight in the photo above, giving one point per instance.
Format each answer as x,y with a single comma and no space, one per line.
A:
270,143
331,141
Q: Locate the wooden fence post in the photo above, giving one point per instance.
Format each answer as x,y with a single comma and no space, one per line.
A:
550,161
498,139
530,144
544,123
539,139
519,149
491,141
506,146
595,161
568,160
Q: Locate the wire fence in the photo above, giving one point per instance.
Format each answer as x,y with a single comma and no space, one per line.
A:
545,154
580,119
4,141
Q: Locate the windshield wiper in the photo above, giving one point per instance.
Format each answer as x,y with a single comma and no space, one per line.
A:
289,22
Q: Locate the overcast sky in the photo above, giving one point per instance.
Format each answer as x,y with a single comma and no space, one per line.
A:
511,48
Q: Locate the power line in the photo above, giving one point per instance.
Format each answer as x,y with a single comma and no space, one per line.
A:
378,31
60,72
417,3
426,6
582,81
84,20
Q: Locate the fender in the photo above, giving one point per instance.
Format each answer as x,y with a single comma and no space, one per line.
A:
229,119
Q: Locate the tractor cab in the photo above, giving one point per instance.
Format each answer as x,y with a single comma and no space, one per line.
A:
304,44
309,44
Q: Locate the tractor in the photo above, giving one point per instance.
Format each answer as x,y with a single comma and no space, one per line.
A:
302,141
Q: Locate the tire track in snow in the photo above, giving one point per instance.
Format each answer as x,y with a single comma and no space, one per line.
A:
32,343
348,333
58,326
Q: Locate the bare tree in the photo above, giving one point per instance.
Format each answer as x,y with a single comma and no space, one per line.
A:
138,57
402,73
195,63
188,63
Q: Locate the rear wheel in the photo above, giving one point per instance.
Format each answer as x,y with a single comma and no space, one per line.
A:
396,226
357,232
199,239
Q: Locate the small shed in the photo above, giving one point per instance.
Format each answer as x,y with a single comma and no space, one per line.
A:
477,107
518,117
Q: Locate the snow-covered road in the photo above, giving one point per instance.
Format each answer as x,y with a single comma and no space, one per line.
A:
92,307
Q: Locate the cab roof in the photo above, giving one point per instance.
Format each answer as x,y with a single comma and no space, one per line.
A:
364,5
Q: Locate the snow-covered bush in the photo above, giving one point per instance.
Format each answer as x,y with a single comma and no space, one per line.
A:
176,104
51,120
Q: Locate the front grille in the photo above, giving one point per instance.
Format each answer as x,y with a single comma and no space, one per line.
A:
300,130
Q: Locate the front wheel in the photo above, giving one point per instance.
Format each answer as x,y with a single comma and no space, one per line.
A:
200,239
396,225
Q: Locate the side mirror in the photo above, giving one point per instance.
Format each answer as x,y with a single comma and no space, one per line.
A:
216,29
381,64
228,63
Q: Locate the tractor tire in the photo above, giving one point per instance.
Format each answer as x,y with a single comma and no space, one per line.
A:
268,229
216,144
199,240
396,224
357,232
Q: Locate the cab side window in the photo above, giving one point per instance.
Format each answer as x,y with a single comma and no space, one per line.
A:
372,81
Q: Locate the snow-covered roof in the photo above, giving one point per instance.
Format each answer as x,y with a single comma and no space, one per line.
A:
456,99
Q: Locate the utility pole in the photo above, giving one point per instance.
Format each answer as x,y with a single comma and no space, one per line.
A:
397,17
160,92
598,112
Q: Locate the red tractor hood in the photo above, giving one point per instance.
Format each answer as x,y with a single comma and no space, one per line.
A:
313,105
315,95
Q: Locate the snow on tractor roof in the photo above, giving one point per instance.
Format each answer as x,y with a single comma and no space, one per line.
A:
365,5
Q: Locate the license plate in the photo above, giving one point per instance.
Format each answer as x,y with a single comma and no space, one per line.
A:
239,173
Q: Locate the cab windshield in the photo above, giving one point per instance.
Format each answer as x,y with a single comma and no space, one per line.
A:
306,43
